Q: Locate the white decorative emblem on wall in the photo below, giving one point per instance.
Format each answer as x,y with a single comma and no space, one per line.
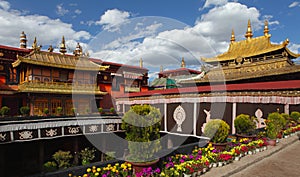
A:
73,130
207,119
260,123
51,132
110,127
25,135
179,116
93,128
2,137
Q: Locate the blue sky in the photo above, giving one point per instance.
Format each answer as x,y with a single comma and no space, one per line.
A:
191,29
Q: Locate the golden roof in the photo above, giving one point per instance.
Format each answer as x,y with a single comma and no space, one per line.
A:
57,60
250,47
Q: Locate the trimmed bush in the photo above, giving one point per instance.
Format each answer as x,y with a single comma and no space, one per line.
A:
217,130
295,116
25,110
244,124
4,110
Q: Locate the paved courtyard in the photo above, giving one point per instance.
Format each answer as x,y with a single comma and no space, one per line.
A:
283,160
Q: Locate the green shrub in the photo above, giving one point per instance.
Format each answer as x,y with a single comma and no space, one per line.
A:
278,119
62,158
46,111
59,110
271,130
4,110
112,110
217,130
295,116
100,110
244,124
142,125
25,110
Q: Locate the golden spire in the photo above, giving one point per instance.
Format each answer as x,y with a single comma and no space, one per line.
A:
34,45
78,50
182,63
232,36
63,48
23,40
50,48
249,34
266,28
141,62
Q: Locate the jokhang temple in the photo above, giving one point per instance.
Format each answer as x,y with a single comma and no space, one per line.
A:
253,77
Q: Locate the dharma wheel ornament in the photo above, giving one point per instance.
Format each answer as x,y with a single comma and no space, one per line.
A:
179,116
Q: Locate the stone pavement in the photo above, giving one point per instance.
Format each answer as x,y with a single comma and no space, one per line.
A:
282,160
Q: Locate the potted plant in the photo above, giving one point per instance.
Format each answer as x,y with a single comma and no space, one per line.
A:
4,111
59,110
142,129
46,111
217,130
112,110
274,124
87,155
25,110
245,126
100,110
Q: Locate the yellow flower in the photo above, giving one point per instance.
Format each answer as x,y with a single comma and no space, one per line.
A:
85,175
98,169
88,170
97,174
70,174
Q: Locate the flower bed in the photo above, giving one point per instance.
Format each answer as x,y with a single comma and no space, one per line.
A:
199,161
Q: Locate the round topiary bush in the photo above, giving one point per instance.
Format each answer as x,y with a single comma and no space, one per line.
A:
217,130
295,116
25,110
278,119
142,129
4,110
244,125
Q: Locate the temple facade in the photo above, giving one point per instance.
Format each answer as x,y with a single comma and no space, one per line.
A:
60,83
253,77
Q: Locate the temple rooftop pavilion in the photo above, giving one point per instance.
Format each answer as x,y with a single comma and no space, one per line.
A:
254,59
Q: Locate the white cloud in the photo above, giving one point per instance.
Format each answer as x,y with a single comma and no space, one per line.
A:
294,47
77,11
4,5
209,3
60,10
112,18
48,31
294,4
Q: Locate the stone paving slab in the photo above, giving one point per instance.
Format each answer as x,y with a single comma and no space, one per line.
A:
250,160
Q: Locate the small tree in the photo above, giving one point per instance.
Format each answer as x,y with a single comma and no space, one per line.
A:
25,110
244,124
4,110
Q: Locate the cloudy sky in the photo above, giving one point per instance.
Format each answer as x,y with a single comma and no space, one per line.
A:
160,32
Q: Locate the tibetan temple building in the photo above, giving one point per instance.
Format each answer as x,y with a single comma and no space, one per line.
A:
253,77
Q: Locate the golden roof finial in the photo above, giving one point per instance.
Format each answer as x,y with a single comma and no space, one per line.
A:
78,50
232,36
50,48
34,45
141,62
182,63
63,48
249,34
266,28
